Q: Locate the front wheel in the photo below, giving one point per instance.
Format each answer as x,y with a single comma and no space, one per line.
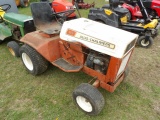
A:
13,48
32,60
145,43
88,99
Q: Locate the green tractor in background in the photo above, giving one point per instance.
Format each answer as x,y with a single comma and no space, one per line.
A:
13,25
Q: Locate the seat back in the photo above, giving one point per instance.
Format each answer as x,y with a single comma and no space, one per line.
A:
44,19
114,3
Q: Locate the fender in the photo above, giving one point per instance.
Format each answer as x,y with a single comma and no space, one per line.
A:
4,31
44,45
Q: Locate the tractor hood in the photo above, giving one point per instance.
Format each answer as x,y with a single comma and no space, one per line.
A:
17,19
99,37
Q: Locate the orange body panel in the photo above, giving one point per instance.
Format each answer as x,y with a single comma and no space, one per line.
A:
68,52
47,47
94,73
52,48
111,88
113,68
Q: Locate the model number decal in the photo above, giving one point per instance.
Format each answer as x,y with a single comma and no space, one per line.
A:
90,39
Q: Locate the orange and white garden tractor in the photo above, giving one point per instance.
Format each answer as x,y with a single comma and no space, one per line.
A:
78,45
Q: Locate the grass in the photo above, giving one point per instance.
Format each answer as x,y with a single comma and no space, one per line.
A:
49,96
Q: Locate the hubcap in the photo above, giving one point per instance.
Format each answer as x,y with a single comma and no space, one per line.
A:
144,43
84,103
11,51
27,61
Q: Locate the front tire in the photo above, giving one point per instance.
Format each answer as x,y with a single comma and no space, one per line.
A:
32,60
13,48
88,99
143,43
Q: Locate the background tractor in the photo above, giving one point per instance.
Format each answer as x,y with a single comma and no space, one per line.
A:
60,6
82,5
78,45
117,16
152,7
13,25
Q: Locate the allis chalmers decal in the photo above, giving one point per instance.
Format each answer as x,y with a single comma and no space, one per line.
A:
89,39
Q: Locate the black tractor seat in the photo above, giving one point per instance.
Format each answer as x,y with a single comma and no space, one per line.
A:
114,5
121,11
44,18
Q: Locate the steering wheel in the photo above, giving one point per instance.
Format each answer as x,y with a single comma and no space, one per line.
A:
5,7
62,16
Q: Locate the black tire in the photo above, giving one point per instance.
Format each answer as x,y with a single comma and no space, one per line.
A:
141,42
13,48
24,3
88,99
32,60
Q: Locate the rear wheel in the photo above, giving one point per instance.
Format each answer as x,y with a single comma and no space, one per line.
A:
24,3
142,42
32,60
13,48
88,99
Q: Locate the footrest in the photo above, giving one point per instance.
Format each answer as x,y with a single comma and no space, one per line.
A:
66,66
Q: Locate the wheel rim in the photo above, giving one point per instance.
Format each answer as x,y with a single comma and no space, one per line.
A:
144,43
27,61
12,51
84,103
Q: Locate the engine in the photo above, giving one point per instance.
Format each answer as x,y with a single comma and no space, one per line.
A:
98,61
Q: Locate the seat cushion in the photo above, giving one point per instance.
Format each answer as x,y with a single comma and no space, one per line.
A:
120,11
